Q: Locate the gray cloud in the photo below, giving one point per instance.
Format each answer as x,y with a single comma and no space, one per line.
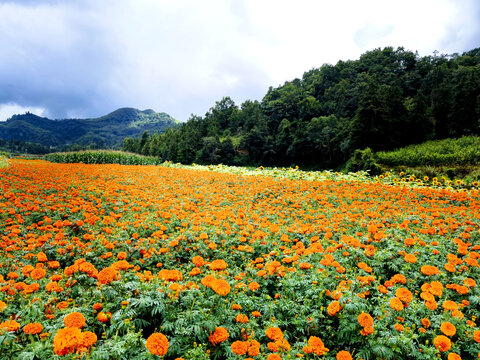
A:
88,57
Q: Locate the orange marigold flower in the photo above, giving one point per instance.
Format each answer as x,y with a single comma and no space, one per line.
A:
74,319
431,305
256,314
53,264
104,316
344,355
448,328
429,270
442,343
10,325
221,287
254,348
219,335
253,286
38,274
170,275
453,356
333,308
107,275
399,278
367,330
274,357
283,344
404,294
208,280
261,273
3,305
396,304
425,322
157,344
449,267
240,347
274,333
198,261
97,306
33,328
241,318
450,305
410,258
63,305
12,275
315,345
272,346
194,271
436,288
399,327
236,307
218,264
476,336
67,340
469,282
365,319
89,338
27,269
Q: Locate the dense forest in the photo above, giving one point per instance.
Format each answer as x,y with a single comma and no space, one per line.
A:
384,100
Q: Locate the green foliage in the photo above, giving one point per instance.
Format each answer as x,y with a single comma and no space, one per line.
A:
387,99
462,151
101,157
363,160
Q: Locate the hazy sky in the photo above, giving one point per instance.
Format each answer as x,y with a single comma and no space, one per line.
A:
86,58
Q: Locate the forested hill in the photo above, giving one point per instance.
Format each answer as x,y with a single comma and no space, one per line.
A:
387,99
105,131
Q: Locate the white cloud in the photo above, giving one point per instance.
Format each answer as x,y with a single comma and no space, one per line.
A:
7,110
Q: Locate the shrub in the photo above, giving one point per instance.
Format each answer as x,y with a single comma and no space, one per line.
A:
363,160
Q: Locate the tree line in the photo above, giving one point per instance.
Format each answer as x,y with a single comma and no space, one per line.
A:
386,99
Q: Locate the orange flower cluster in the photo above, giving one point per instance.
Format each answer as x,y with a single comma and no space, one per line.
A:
250,347
71,340
220,286
10,325
316,346
366,321
194,239
170,275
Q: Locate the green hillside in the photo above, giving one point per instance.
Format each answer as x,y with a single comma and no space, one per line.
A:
387,99
106,131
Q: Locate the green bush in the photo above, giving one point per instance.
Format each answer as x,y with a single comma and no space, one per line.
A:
363,160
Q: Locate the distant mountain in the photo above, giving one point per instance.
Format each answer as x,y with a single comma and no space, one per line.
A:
105,131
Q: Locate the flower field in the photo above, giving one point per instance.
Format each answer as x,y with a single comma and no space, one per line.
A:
144,262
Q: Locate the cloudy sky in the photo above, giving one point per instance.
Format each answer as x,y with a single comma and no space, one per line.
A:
86,58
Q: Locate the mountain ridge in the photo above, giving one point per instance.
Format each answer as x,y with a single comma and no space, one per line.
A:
105,131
